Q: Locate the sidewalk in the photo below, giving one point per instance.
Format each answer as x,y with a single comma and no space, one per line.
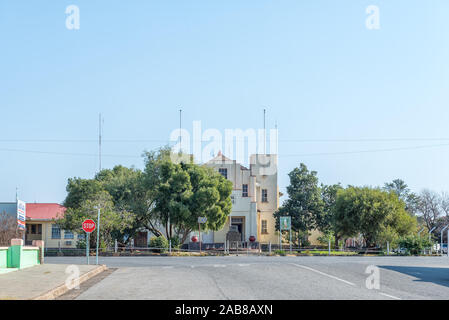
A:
45,281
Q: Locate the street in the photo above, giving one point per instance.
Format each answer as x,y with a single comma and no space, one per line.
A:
261,277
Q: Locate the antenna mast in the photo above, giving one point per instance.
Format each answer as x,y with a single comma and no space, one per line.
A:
99,140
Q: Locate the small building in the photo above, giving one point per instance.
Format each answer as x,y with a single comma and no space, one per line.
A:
40,224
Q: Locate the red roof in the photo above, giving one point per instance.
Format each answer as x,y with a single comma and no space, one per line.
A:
44,211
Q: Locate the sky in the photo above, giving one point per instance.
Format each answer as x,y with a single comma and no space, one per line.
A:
359,106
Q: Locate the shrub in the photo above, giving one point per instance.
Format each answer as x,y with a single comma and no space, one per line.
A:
414,245
280,252
160,243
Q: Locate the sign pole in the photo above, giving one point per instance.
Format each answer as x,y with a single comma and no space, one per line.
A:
98,232
87,247
290,239
280,232
199,234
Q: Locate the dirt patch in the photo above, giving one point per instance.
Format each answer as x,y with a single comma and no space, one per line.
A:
74,293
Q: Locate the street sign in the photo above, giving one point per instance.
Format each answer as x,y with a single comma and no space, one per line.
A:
285,223
88,225
202,219
21,214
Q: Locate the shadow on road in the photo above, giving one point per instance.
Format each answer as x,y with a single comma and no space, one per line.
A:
438,276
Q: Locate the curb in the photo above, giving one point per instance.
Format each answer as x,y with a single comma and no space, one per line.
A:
56,292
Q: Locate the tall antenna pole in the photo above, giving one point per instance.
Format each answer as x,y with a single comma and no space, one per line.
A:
180,125
99,140
264,133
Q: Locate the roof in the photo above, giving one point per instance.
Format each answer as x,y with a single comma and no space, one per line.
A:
220,158
44,211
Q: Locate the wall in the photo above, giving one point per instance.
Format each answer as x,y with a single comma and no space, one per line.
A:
3,257
18,256
54,243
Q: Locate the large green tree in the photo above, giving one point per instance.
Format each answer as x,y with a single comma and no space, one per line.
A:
325,219
113,222
371,212
182,192
304,203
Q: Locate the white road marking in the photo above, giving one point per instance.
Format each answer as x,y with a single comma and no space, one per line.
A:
243,265
219,265
324,274
389,296
167,267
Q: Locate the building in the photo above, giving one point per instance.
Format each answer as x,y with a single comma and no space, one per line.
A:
40,224
255,197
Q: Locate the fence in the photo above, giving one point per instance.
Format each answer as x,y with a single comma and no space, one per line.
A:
230,247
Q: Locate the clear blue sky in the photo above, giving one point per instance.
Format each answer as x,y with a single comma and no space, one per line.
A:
319,71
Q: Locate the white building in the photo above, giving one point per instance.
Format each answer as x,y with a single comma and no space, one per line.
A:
255,197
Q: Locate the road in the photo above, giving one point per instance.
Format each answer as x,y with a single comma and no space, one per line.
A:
261,277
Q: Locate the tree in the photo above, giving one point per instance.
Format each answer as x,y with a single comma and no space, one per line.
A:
182,192
372,213
8,229
113,222
304,204
166,198
400,188
78,190
429,207
325,218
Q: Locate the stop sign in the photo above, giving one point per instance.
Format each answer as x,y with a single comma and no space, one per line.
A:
89,225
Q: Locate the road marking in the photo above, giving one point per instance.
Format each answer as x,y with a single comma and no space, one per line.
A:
389,296
167,267
219,265
324,274
243,265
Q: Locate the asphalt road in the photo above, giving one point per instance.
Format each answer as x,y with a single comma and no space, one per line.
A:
260,277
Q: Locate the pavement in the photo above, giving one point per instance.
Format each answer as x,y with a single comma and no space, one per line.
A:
43,281
262,277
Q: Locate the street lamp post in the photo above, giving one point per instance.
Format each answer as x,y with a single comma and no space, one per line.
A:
419,232
430,241
441,236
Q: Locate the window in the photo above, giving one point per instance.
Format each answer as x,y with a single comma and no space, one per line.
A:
68,234
55,232
223,172
233,199
264,195
264,227
35,229
244,190
81,236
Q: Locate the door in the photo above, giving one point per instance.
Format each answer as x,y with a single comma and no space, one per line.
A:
239,222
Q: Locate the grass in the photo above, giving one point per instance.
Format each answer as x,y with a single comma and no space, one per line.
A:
326,252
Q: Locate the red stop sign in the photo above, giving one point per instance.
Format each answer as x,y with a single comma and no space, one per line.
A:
89,225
